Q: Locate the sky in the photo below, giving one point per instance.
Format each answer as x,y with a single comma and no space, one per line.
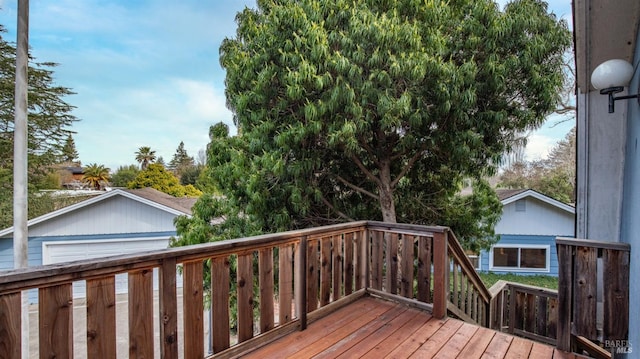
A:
147,72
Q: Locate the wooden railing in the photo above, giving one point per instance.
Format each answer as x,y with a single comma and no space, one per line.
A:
588,268
301,274
527,311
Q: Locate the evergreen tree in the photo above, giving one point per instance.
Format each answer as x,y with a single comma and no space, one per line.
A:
69,152
378,110
181,161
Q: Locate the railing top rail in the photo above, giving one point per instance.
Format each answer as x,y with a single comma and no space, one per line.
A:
465,262
594,244
413,228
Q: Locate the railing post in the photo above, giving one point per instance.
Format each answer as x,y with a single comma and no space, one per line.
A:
301,282
168,308
565,280
440,275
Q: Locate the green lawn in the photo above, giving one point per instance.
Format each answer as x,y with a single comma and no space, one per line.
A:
544,281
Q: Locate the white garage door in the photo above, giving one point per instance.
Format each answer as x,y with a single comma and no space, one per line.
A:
66,251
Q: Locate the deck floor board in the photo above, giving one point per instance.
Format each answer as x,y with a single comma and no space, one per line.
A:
376,328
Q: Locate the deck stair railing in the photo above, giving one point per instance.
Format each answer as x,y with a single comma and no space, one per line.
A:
280,281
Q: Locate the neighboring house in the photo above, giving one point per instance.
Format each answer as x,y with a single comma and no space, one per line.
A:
608,168
120,221
528,228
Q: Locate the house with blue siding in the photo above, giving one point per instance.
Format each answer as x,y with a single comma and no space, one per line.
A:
528,228
120,221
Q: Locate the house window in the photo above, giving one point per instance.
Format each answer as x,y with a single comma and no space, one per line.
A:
521,205
520,258
475,260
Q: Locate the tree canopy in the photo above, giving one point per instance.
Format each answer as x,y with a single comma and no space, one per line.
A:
377,109
96,175
49,126
156,176
145,156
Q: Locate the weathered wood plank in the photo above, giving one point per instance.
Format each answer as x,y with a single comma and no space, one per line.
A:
11,325
519,312
430,347
585,285
407,275
168,302
55,309
552,326
391,257
616,294
519,348
498,346
193,309
266,284
220,303
101,318
376,260
313,275
382,349
325,271
565,289
361,268
440,275
245,297
530,322
542,316
424,269
336,267
477,344
349,269
455,286
141,314
285,283
456,342
362,341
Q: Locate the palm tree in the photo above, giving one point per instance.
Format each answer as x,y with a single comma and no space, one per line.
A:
95,175
145,156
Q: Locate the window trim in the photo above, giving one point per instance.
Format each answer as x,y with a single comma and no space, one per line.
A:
547,269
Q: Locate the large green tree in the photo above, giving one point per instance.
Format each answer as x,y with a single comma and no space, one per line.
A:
379,109
49,125
156,176
181,161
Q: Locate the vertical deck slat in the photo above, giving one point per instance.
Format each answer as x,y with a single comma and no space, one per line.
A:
565,280
193,309
300,285
11,325
55,307
407,266
616,294
337,267
265,265
168,302
391,257
220,303
519,310
285,283
325,271
440,275
424,269
585,292
101,318
553,318
530,324
359,265
542,316
348,263
141,314
455,286
313,272
245,297
376,260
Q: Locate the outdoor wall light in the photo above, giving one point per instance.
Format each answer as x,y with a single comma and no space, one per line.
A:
610,77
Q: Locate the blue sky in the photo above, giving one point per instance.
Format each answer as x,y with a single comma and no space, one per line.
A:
147,72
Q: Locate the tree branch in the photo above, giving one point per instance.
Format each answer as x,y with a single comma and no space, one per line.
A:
406,168
364,170
339,213
356,188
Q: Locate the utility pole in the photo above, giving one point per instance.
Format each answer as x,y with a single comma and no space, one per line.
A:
20,235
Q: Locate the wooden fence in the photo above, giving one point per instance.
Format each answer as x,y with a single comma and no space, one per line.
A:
301,274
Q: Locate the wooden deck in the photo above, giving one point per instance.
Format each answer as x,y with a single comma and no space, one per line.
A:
376,328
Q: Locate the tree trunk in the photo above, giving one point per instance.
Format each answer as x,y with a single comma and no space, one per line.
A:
387,204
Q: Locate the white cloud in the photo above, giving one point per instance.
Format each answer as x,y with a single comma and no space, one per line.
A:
538,147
